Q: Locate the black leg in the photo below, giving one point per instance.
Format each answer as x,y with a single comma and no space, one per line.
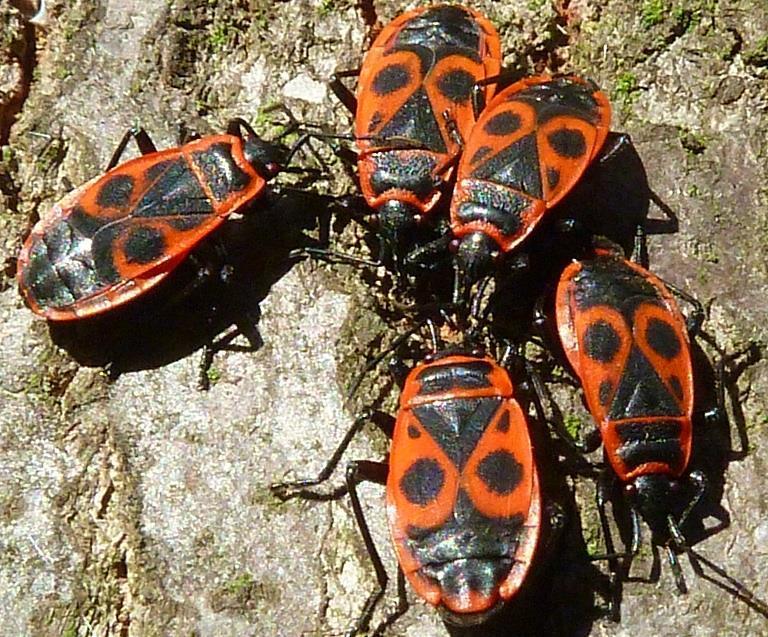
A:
302,488
143,141
357,472
677,572
605,484
640,249
331,256
399,610
694,320
340,90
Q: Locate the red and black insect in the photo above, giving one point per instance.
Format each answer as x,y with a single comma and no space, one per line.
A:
123,232
414,106
627,341
463,498
462,489
528,149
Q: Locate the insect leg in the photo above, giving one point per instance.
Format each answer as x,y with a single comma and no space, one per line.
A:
340,90
143,141
357,472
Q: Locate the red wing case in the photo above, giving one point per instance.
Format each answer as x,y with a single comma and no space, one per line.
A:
626,339
463,498
414,101
530,146
123,232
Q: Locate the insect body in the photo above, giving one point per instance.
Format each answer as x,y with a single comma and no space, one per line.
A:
528,149
123,232
463,497
627,341
414,107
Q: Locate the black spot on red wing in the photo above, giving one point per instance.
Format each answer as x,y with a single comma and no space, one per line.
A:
553,177
601,342
500,472
116,192
422,481
677,387
604,393
503,424
222,174
376,120
456,85
480,154
662,338
390,79
568,142
413,432
501,124
144,245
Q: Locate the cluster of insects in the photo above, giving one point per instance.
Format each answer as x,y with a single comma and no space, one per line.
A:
472,178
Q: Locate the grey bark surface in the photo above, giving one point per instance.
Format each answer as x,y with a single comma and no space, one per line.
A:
140,506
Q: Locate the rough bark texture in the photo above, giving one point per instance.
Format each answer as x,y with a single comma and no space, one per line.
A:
140,507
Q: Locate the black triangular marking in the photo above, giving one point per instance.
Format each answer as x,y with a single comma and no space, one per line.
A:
416,121
641,391
457,424
516,166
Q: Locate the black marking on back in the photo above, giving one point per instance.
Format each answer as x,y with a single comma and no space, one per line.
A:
480,154
601,342
662,338
503,424
456,85
604,392
655,441
222,174
144,245
103,252
116,191
422,481
467,375
553,177
500,472
376,119
416,121
502,208
612,282
175,191
413,432
438,32
560,98
457,424
502,124
390,79
393,172
677,387
469,552
568,142
85,224
515,166
60,269
641,391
